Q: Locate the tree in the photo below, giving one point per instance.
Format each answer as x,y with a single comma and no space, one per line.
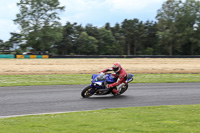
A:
167,17
107,26
92,30
107,45
86,45
45,38
36,15
176,20
150,43
189,22
134,33
70,34
1,44
15,40
117,32
7,45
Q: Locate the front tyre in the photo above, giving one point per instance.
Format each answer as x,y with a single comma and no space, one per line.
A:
87,92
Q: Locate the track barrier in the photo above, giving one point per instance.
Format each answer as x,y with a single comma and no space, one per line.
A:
7,56
94,56
32,56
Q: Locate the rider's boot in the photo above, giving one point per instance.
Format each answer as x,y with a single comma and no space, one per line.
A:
115,91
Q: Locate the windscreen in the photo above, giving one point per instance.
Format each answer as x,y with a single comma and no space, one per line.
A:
100,77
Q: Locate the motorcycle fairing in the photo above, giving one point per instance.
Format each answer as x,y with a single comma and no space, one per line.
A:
129,78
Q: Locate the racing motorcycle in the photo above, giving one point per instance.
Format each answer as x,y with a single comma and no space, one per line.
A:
99,82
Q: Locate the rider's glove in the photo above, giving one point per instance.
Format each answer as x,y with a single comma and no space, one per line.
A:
100,72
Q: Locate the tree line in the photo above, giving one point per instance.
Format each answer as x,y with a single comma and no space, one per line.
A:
176,32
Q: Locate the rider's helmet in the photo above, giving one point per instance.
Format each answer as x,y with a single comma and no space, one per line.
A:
116,67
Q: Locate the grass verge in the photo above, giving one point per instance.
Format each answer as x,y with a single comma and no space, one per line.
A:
72,79
156,119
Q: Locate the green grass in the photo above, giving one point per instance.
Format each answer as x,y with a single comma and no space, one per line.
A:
156,119
31,80
72,79
166,78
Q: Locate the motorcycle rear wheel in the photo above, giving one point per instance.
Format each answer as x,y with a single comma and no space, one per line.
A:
86,92
123,88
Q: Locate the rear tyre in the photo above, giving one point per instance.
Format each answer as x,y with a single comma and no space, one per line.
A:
87,92
123,89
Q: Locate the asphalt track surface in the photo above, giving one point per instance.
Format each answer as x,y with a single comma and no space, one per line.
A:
25,100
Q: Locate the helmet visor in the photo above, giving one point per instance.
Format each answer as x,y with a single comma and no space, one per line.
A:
115,69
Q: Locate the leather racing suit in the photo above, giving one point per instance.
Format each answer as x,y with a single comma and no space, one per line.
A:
121,78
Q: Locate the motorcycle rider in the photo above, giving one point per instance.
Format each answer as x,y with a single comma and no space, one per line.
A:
121,76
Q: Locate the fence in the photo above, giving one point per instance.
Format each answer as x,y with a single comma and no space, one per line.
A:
94,56
24,56
124,56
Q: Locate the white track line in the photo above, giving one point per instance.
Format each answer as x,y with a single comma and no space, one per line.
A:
10,116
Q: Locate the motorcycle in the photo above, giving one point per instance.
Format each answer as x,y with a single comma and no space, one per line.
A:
99,82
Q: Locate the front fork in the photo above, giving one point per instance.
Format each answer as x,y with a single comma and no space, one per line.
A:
93,90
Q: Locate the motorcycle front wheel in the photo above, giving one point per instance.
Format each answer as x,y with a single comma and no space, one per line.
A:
87,92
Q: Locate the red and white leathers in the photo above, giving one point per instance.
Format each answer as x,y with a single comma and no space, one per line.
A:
121,76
